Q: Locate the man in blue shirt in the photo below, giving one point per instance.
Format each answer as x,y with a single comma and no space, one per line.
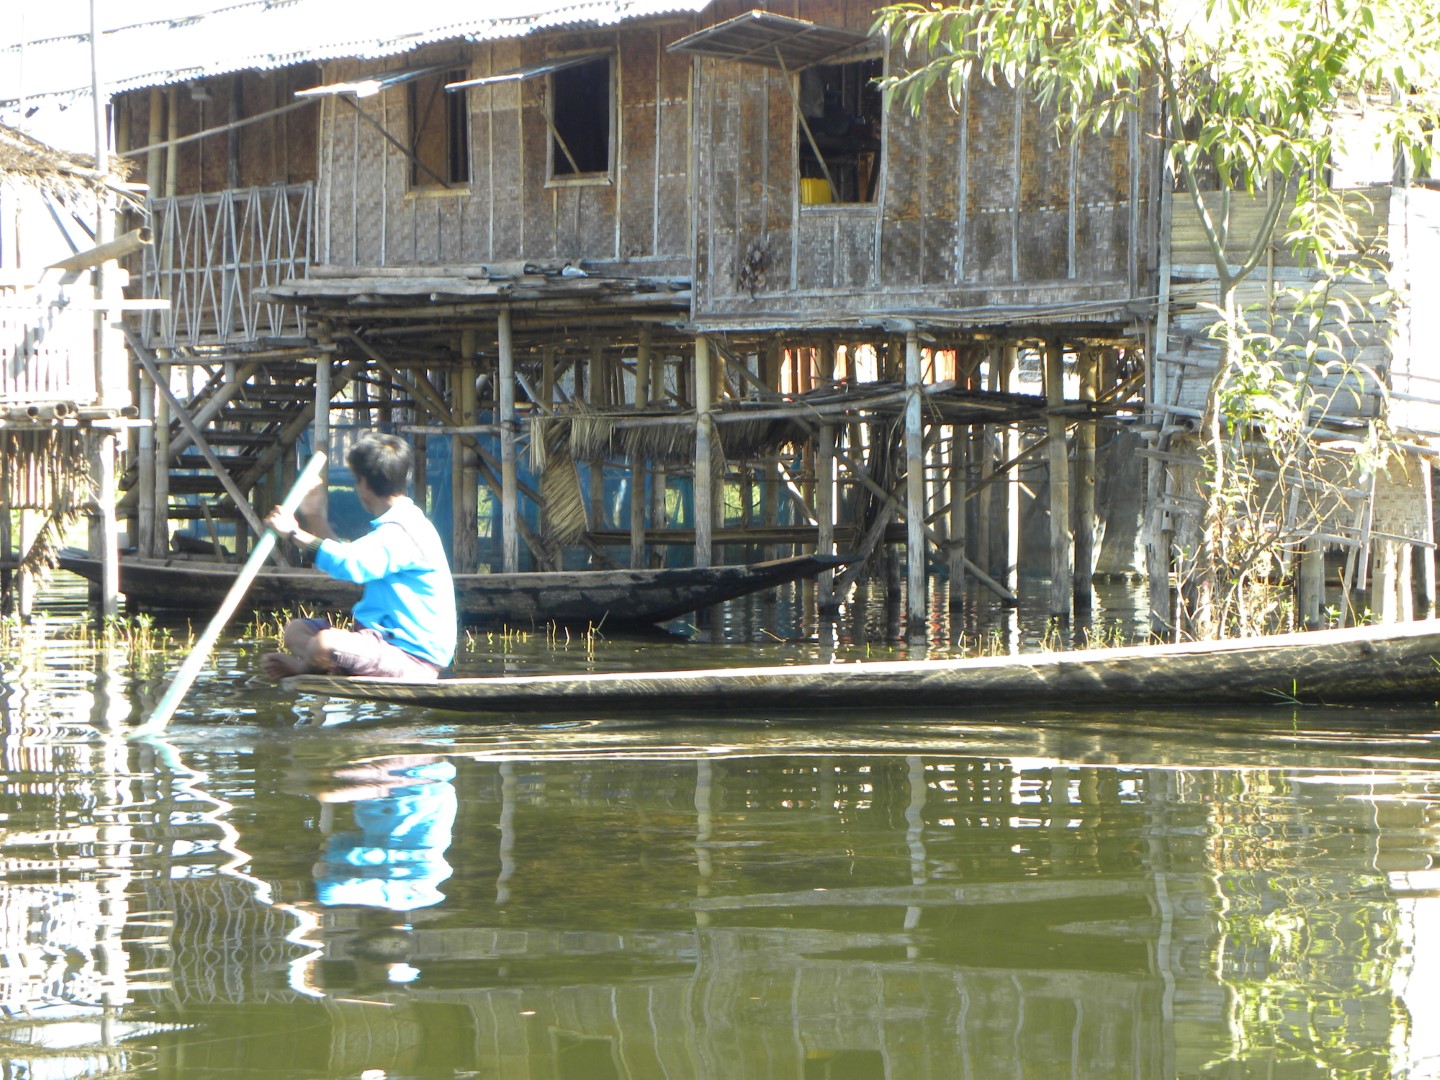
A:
405,620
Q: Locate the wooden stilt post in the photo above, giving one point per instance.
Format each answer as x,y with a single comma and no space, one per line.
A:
825,488
7,575
145,466
1060,541
509,467
1311,584
773,376
1085,523
638,463
320,426
465,488
959,494
986,533
658,482
914,491
704,495
1010,379
1427,552
1405,582
25,579
596,393
162,472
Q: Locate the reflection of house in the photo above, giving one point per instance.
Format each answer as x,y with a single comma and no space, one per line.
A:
61,390
649,273
777,913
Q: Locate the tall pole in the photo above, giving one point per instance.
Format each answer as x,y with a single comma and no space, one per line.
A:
704,480
825,488
1060,539
637,461
105,531
914,490
509,469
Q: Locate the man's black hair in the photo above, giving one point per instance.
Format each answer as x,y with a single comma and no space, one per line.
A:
384,462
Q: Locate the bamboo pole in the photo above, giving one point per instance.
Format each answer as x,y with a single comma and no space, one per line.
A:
1085,523
596,392
704,498
825,488
1010,376
1060,540
165,709
983,447
638,463
958,538
509,469
915,553
162,472
464,488
145,468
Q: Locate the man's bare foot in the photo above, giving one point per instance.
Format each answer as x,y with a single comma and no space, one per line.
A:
278,665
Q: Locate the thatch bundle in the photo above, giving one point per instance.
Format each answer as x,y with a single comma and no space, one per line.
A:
51,171
561,500
43,468
751,438
586,435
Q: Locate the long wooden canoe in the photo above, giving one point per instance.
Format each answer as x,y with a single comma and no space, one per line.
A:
1356,665
597,597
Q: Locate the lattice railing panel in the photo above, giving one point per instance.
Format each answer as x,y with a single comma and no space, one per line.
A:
212,254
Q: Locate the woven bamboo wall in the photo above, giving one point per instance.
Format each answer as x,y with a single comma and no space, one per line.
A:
371,215
982,207
1392,341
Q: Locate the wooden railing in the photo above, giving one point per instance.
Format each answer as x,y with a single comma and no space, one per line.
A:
212,252
47,341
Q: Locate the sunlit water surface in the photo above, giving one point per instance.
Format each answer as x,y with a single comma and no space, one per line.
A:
310,888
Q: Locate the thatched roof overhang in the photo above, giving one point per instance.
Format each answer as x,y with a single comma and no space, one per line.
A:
50,171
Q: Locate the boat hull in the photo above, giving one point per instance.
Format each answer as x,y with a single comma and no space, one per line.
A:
1358,665
595,597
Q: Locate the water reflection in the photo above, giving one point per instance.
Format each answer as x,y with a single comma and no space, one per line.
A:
1062,894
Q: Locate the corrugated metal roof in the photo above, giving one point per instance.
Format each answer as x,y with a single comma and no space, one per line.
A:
268,34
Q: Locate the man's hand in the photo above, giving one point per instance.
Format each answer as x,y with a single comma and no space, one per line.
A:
282,521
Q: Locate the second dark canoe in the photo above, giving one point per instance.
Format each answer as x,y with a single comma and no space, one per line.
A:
610,598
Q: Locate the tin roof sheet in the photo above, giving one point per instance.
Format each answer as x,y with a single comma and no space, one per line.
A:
268,34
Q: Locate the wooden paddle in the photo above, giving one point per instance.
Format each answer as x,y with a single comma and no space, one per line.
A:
201,652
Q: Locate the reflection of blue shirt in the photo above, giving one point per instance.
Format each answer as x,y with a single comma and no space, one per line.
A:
409,594
396,858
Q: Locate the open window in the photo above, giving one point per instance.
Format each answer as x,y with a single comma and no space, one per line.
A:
580,103
579,111
439,132
838,107
841,106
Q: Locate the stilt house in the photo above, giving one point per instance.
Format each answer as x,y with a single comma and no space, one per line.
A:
639,277
63,394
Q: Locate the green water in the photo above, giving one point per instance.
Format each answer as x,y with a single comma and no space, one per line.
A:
309,889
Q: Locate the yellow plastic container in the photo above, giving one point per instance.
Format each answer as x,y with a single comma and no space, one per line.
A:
814,192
